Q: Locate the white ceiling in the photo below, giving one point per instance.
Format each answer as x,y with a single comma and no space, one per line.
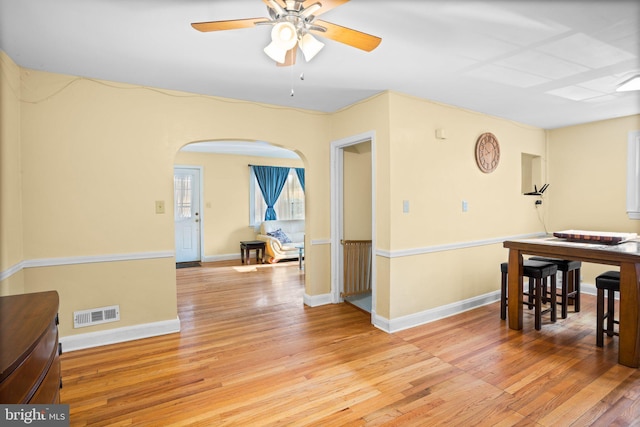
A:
543,63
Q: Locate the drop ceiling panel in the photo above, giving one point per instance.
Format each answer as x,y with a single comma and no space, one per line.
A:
602,84
507,76
543,65
575,93
484,48
588,51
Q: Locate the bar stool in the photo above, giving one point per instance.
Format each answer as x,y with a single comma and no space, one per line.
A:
609,282
569,268
537,272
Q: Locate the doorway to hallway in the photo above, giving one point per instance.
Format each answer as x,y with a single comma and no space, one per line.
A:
353,199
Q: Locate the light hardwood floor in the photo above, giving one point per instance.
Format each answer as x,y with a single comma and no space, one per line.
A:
250,353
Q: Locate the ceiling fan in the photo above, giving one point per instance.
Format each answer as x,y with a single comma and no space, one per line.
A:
293,23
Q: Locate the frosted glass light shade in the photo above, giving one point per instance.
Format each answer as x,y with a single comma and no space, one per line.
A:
283,38
284,34
275,52
310,46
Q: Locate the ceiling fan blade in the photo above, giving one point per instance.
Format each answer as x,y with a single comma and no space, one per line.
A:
227,25
290,58
327,5
348,36
276,6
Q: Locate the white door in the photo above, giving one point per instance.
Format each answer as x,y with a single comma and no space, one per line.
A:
186,188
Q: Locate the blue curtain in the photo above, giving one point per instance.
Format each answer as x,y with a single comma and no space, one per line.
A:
300,173
271,180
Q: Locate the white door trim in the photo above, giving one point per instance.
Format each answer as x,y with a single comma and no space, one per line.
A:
337,213
201,198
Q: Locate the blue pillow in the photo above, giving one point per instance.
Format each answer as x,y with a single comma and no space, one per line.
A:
280,235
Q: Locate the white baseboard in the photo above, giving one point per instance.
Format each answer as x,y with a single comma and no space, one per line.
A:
416,319
215,258
113,336
427,316
317,300
588,288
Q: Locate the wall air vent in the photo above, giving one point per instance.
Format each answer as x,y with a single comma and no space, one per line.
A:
96,316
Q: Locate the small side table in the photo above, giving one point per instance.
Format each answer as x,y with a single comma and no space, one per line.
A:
247,246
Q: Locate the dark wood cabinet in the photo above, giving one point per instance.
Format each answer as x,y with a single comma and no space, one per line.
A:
29,349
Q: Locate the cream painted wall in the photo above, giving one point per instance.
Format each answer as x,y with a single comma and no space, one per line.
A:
11,243
225,210
357,191
144,289
588,167
435,176
96,156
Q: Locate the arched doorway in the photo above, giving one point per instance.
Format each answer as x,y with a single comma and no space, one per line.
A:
225,192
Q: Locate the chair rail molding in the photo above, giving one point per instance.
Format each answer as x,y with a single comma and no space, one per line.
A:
51,262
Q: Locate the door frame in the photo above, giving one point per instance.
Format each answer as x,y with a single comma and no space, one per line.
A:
200,196
337,214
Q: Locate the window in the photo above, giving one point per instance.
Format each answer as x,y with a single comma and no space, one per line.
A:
182,187
290,204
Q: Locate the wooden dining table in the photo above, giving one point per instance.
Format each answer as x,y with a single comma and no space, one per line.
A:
625,255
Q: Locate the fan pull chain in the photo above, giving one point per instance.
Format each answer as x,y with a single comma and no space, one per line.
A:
292,80
291,77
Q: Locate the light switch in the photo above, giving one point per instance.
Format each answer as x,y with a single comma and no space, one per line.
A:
159,206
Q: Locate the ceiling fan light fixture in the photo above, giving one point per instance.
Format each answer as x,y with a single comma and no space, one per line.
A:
310,46
631,84
284,34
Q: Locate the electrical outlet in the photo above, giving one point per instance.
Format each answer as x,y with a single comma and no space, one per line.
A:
159,206
538,202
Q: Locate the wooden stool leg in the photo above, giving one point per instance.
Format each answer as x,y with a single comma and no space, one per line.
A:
242,253
503,297
538,304
576,284
531,295
565,294
554,296
610,311
600,318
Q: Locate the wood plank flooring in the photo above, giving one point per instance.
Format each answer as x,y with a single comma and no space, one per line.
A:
251,354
